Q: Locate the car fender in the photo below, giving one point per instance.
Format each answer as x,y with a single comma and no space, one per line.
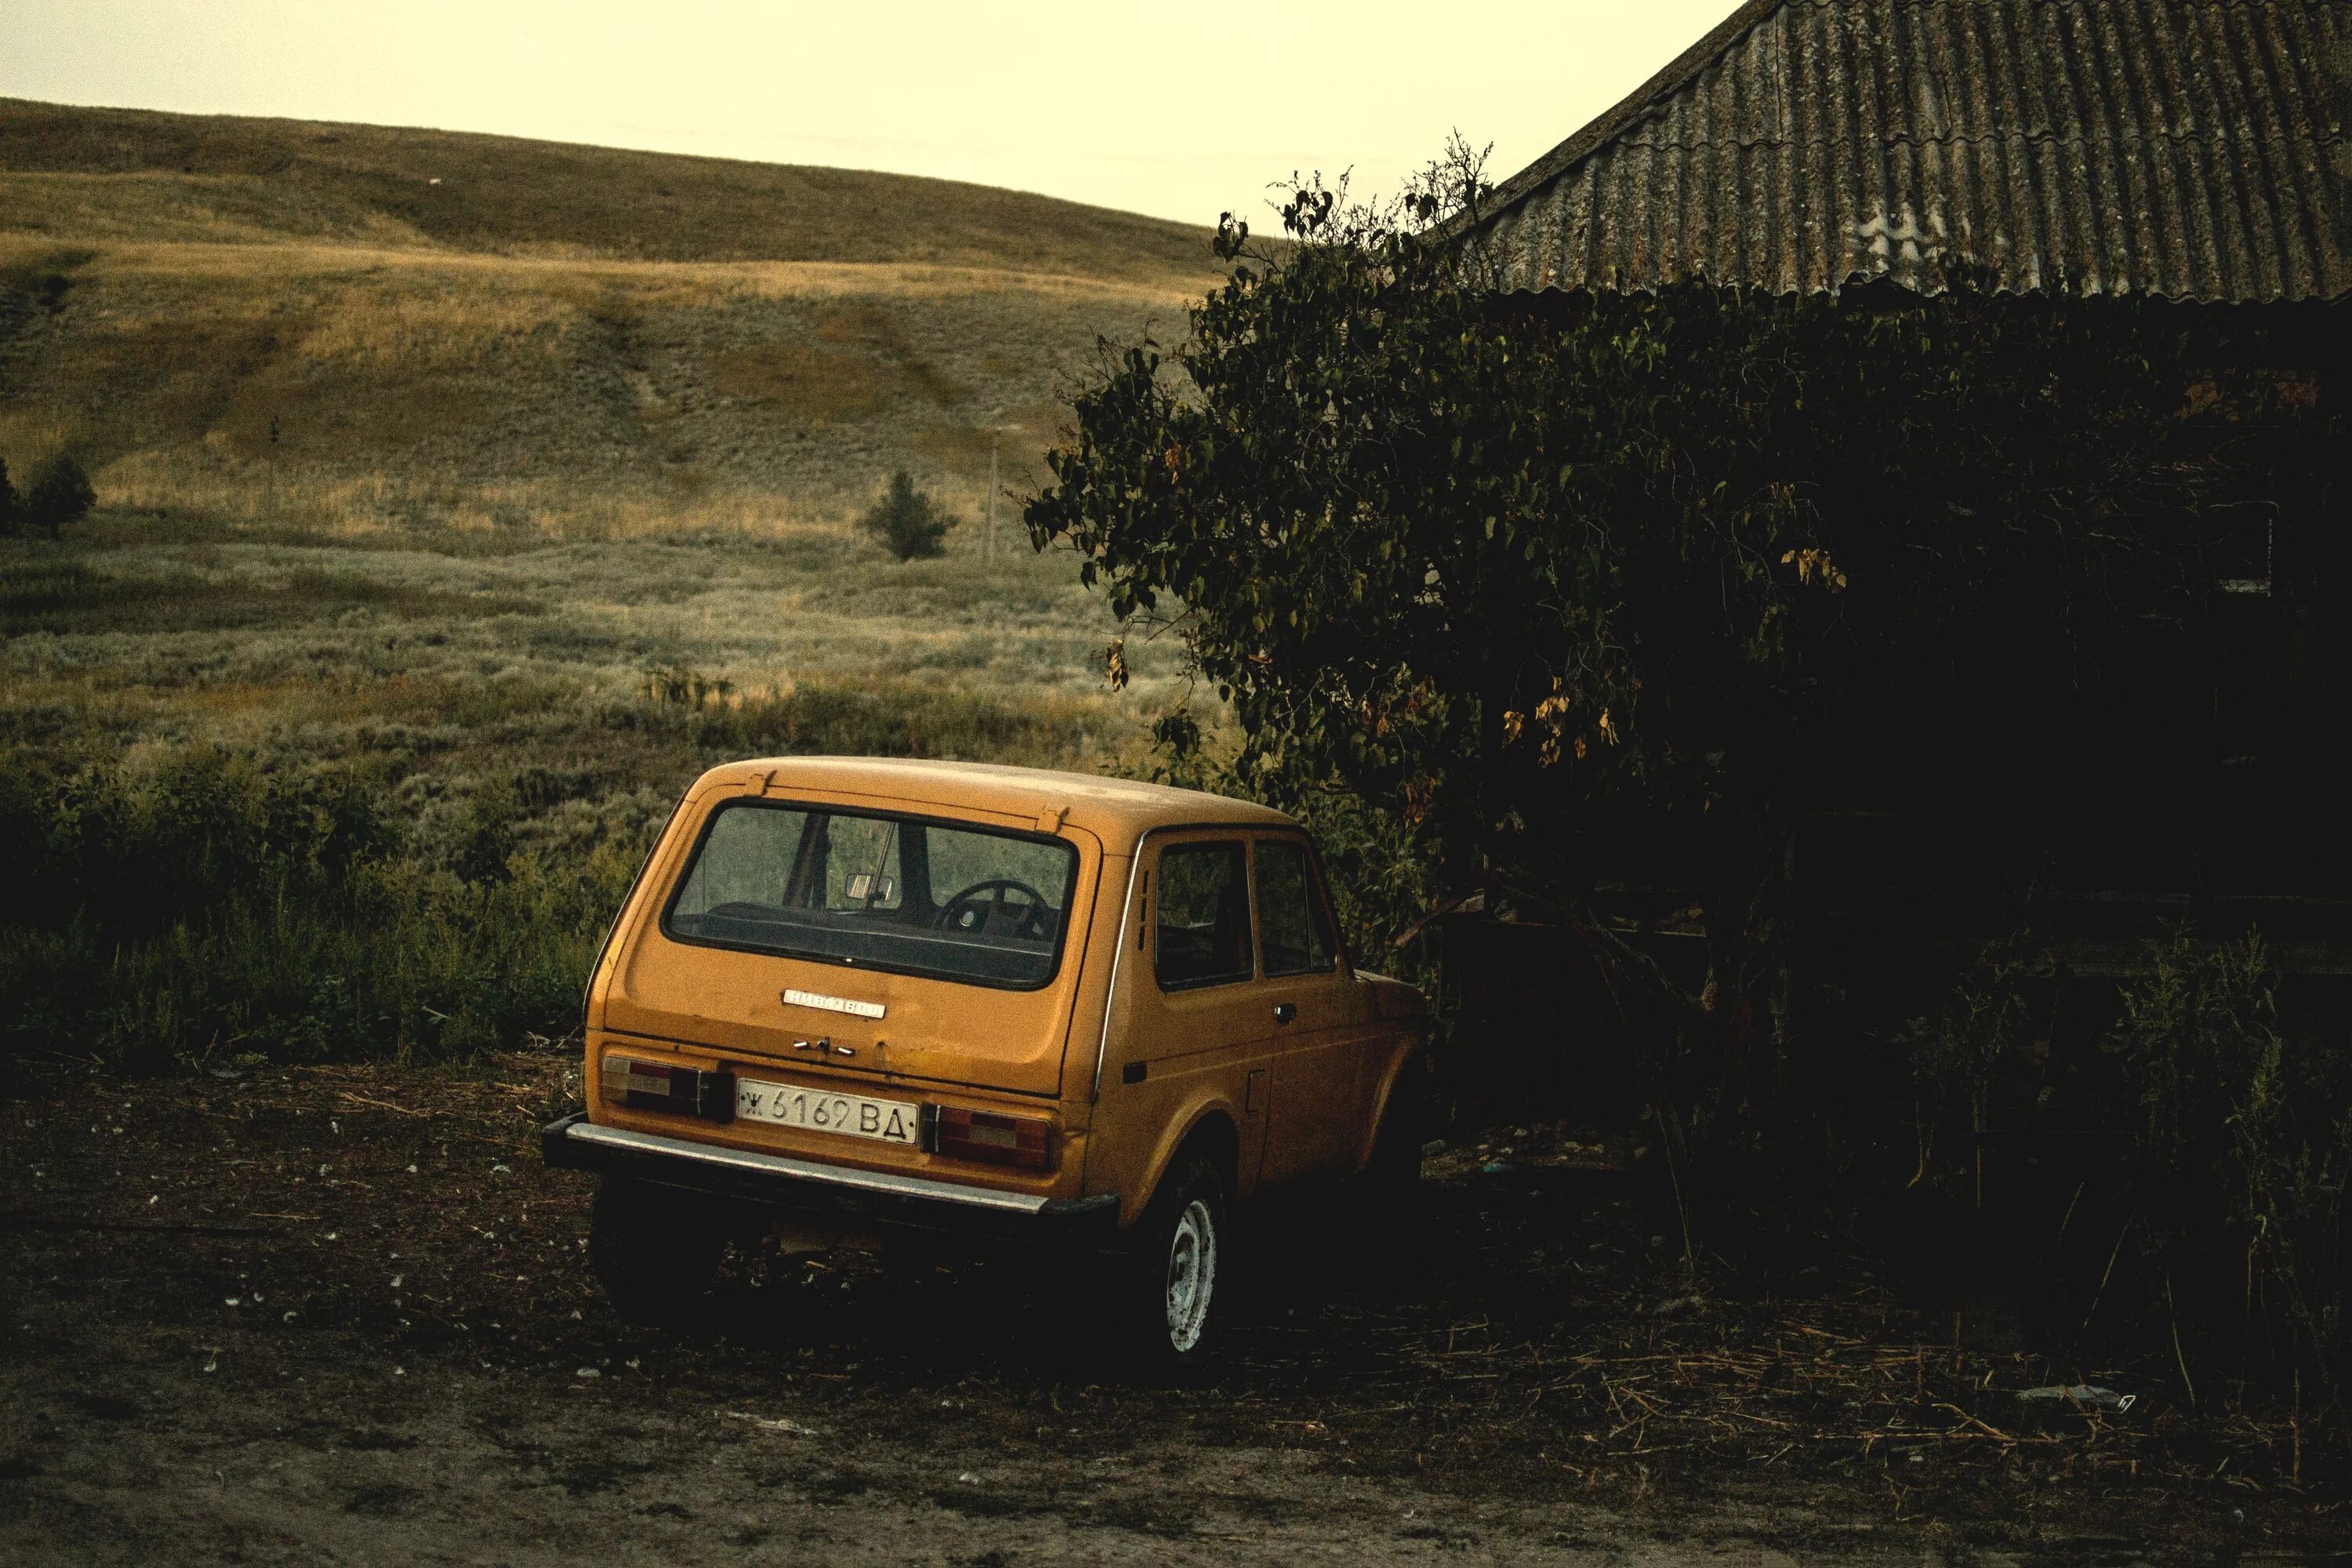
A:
1207,1112
1398,1056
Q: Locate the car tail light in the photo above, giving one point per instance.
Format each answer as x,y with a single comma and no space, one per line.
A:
707,1092
991,1136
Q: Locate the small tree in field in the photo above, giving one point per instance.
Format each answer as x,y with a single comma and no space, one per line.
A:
909,524
59,494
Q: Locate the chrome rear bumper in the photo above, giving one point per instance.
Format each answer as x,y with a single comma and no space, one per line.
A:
878,1196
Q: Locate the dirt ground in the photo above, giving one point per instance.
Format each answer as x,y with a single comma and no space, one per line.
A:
343,1315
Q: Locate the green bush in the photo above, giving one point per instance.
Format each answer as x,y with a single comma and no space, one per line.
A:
134,857
2200,1148
909,523
217,903
7,501
2242,1156
485,850
213,911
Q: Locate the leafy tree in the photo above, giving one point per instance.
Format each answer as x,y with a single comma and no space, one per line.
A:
1589,589
59,494
909,523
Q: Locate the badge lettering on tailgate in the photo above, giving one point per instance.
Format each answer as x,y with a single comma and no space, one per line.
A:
855,1009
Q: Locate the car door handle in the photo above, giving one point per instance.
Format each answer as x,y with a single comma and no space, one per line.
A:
1284,1011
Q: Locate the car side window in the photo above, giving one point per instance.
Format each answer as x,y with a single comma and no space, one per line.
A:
1202,921
1290,919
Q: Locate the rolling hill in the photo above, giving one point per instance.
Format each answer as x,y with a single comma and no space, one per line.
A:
177,176
355,328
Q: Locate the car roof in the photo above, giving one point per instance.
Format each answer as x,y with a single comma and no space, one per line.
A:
1117,811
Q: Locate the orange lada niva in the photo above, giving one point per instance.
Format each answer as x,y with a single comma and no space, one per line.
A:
890,999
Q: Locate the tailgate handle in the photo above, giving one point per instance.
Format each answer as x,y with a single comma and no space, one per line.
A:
1284,1011
823,1044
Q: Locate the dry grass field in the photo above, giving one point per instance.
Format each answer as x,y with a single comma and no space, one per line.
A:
350,387
364,402
478,470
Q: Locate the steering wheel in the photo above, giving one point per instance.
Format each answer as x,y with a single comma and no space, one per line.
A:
968,912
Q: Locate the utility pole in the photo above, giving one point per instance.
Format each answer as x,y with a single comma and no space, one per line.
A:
995,434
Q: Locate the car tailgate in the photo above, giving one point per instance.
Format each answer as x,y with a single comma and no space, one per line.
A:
854,1019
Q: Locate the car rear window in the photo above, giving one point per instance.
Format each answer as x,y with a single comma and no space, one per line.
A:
906,894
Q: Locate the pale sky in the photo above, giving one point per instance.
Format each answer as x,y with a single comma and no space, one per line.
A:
1179,110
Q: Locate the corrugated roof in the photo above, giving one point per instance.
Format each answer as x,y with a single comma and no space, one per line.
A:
2188,148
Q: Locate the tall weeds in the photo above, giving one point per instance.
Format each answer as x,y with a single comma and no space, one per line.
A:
219,904
2242,1134
2172,1170
907,720
214,911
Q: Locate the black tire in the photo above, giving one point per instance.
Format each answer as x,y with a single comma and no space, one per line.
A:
1168,1287
655,1251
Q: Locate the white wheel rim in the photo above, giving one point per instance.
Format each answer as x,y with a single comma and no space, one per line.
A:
1192,1275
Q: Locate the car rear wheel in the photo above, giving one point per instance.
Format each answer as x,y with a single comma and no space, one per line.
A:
1388,1215
1394,1173
654,1251
1171,1292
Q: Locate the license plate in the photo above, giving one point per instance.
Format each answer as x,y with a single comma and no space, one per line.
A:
822,1111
